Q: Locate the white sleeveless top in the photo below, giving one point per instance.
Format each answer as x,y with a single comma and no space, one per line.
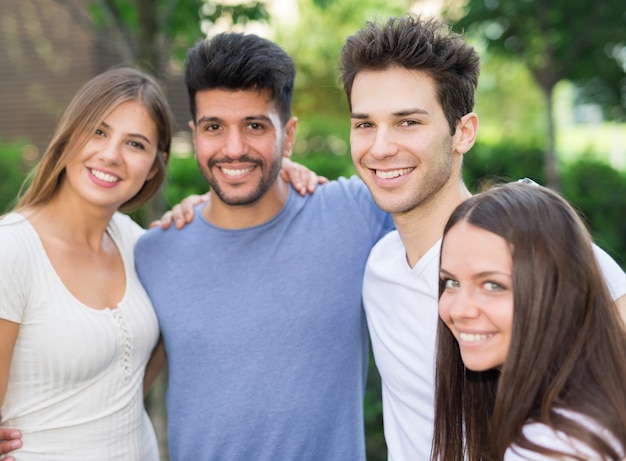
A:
76,379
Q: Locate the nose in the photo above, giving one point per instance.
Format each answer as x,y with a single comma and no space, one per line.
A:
383,144
234,145
459,305
110,152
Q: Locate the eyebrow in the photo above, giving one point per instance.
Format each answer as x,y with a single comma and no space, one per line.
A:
134,135
250,118
401,113
482,274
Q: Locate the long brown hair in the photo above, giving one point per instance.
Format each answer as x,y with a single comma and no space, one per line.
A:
568,345
88,108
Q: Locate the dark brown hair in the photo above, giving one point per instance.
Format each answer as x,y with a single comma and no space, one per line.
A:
567,347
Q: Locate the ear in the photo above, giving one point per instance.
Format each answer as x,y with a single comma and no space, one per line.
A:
465,135
290,136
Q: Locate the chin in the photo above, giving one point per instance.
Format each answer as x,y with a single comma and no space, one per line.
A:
481,365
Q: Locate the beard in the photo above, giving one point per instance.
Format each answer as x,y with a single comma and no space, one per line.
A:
422,191
269,173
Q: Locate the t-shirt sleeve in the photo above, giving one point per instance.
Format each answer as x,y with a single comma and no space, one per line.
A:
379,221
13,278
544,436
613,274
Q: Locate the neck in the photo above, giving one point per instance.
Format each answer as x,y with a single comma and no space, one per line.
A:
253,214
422,227
66,221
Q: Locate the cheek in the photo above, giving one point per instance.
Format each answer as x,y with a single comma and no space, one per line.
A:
357,146
205,146
146,166
501,314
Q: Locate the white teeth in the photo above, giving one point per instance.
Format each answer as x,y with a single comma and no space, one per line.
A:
471,337
236,172
104,176
393,173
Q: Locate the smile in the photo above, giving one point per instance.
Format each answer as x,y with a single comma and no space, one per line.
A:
104,176
393,173
236,172
473,337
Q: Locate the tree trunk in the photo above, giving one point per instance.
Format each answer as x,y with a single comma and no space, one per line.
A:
553,176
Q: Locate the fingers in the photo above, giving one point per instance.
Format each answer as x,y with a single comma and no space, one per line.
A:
313,182
11,439
291,176
301,178
164,222
178,216
184,213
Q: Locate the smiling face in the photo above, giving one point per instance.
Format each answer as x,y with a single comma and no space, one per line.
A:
240,141
477,300
400,139
116,161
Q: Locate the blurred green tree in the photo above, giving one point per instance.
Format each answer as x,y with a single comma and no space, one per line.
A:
556,39
149,32
14,164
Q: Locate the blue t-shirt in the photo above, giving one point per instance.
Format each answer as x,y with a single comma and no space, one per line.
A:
264,329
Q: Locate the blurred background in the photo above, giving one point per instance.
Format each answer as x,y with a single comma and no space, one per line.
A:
551,97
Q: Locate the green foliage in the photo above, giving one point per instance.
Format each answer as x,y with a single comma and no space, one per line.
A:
510,106
594,188
239,14
184,27
166,27
599,193
487,164
13,170
373,414
183,179
323,144
580,41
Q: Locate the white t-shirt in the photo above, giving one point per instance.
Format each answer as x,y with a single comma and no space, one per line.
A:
545,436
401,304
75,384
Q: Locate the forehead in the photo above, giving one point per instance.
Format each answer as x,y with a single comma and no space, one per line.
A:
393,90
131,115
468,247
221,102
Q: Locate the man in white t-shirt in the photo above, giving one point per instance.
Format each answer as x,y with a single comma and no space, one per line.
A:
410,85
